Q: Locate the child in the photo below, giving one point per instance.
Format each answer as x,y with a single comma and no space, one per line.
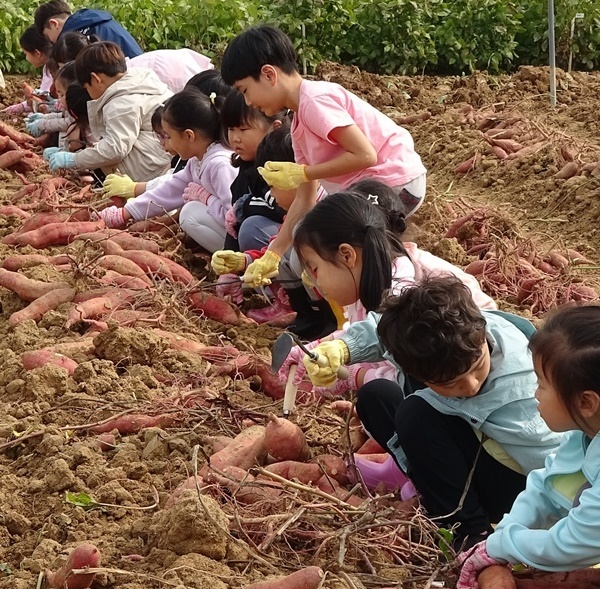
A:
355,266
36,49
314,317
55,122
119,185
338,138
468,440
255,217
553,524
174,67
191,123
119,114
54,18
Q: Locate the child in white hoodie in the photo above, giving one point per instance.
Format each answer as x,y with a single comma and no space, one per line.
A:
120,114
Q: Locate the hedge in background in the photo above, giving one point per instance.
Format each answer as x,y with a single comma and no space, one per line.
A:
384,36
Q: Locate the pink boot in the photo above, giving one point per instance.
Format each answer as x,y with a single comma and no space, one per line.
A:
273,312
386,473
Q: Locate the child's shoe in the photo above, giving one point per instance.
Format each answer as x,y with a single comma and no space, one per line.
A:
274,312
387,473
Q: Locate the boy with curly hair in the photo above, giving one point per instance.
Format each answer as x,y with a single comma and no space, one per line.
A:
471,434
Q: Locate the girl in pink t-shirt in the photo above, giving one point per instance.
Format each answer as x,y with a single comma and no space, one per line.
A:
349,246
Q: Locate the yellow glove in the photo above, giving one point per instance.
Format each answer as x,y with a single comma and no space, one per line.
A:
336,353
260,271
227,261
306,279
116,185
284,175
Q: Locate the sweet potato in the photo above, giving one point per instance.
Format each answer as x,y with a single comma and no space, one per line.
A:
496,577
41,219
38,308
214,308
476,268
16,136
123,266
10,158
557,260
576,258
301,471
179,273
424,116
238,481
334,466
106,442
114,278
528,150
467,165
244,451
499,152
133,423
8,210
270,383
456,225
284,440
508,145
97,307
569,170
26,288
14,263
38,358
150,263
371,447
56,233
308,578
331,486
84,556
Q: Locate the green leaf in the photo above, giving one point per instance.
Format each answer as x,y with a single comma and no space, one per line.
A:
80,500
445,543
4,568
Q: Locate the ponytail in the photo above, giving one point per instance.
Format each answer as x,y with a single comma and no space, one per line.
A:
348,218
376,275
191,109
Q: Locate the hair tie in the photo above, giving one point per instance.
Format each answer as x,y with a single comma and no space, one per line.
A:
212,97
373,198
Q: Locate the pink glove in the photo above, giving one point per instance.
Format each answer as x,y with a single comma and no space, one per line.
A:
113,217
232,287
473,561
342,385
197,192
15,109
231,222
295,357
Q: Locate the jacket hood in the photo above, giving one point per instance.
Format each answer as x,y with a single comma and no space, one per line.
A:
139,81
86,18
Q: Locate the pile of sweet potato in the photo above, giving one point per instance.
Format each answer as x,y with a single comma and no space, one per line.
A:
15,152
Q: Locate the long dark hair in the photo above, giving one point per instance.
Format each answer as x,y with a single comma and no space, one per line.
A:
69,45
32,41
191,109
344,217
567,348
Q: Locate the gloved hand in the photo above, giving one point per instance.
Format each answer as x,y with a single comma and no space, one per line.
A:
230,285
197,192
226,261
34,116
49,151
36,128
117,185
15,109
284,175
61,159
336,353
114,217
296,356
231,222
342,385
260,272
306,279
473,561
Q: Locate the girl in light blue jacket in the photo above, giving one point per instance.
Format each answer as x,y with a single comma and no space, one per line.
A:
554,525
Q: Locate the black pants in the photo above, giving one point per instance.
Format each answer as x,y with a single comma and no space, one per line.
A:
441,450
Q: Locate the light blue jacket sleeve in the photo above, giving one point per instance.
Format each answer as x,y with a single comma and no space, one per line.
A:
363,342
543,529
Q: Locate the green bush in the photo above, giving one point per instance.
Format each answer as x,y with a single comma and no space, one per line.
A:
391,36
385,36
475,35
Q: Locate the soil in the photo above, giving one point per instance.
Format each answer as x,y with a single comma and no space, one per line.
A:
59,486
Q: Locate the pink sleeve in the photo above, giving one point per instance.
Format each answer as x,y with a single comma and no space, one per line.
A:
47,80
322,114
217,179
377,370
